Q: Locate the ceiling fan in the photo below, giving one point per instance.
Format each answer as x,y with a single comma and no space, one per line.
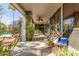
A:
40,18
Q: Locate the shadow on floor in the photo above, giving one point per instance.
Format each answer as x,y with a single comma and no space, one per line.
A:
25,54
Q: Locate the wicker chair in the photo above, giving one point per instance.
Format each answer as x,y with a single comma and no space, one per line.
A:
7,48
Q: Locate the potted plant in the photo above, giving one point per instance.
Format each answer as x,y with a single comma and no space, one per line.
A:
65,52
48,42
30,27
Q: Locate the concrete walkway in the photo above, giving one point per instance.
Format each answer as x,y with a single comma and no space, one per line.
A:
31,49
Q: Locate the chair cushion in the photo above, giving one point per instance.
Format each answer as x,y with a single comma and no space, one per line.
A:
63,41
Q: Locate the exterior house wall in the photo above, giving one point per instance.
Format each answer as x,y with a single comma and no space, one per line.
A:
69,9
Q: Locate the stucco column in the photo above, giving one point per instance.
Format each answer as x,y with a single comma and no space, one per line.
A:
49,27
23,31
61,19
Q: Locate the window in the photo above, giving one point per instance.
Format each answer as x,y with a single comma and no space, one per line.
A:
68,26
68,23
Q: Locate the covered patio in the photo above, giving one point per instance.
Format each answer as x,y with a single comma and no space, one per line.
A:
41,14
45,30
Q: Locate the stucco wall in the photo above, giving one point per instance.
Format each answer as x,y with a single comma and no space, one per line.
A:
74,38
69,9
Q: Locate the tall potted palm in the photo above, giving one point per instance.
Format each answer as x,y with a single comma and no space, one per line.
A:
30,27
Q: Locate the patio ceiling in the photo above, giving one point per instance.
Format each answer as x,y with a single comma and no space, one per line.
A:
45,10
70,8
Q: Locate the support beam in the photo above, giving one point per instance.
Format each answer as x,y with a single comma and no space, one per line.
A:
18,8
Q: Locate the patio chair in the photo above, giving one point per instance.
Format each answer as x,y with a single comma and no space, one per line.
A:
1,46
8,48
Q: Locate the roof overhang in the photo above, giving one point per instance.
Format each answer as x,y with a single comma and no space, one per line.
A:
46,10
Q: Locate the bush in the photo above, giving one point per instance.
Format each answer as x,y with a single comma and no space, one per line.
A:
49,42
65,52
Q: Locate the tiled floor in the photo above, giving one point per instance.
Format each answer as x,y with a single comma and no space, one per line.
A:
27,49
30,50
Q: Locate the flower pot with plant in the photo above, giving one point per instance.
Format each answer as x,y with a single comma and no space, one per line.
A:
30,27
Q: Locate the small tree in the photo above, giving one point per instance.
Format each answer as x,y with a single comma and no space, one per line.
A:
3,28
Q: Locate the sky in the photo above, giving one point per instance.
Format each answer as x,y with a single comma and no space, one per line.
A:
7,16
69,21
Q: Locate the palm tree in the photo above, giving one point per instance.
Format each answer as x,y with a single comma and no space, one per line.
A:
1,13
13,9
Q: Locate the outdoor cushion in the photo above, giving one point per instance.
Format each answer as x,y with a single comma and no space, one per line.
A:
63,41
